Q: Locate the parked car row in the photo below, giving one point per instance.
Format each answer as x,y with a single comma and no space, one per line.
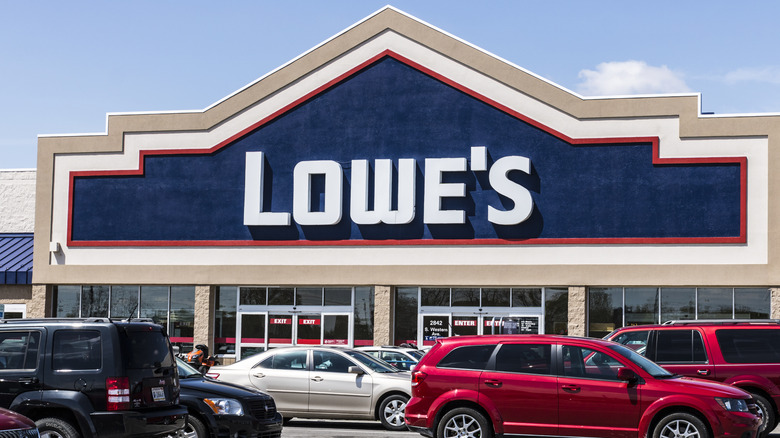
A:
72,378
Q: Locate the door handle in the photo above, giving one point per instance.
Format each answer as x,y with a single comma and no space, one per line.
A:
493,383
27,381
258,375
317,379
703,372
571,388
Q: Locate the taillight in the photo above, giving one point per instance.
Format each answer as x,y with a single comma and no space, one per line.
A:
117,393
418,377
213,375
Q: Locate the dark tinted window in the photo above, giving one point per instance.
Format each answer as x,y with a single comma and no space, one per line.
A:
77,350
330,361
682,346
473,357
524,358
749,346
148,349
289,360
19,350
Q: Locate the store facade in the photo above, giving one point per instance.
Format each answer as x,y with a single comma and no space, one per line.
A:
396,184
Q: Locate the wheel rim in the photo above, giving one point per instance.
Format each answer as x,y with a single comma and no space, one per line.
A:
189,432
762,414
462,426
680,429
50,434
394,413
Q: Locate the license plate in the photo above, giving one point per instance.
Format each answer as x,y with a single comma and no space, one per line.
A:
158,394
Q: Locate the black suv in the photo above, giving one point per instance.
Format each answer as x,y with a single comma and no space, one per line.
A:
91,377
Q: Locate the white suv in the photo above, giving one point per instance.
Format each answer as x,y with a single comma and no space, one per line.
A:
399,357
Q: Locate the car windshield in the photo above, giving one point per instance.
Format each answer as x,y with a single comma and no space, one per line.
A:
186,371
646,364
417,354
375,364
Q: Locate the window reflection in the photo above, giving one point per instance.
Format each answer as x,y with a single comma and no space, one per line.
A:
715,303
641,305
124,302
94,301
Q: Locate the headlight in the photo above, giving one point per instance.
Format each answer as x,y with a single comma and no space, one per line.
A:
224,406
732,404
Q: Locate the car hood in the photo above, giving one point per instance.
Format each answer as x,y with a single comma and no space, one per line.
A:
10,420
217,387
399,376
690,384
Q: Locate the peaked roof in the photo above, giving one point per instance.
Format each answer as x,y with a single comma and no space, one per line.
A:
16,258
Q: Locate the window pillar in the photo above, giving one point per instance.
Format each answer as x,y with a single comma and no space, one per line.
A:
203,332
39,305
578,309
383,315
774,303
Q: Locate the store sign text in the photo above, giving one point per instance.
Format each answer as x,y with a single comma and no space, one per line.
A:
435,190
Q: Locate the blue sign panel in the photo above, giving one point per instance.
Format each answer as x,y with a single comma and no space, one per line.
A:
442,164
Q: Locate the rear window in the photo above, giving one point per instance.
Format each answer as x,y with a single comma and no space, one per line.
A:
472,357
749,346
148,349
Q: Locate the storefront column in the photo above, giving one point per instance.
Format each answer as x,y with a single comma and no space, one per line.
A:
578,310
203,332
40,301
383,315
774,304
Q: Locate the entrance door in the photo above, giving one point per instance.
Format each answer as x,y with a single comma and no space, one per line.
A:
252,331
510,324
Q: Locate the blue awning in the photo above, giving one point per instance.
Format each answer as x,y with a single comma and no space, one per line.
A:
16,258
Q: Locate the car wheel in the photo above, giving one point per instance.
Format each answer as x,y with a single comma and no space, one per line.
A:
391,412
464,422
681,425
56,428
194,429
768,413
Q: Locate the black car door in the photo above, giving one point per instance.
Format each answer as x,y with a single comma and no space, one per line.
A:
21,364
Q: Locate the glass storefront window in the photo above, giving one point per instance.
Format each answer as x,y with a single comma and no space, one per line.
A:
252,296
280,329
309,329
338,296
556,311
464,325
335,329
252,328
678,303
124,302
308,296
465,297
526,297
225,320
154,304
496,297
364,316
94,301
605,310
641,305
751,303
715,303
435,296
281,296
405,320
182,316
66,301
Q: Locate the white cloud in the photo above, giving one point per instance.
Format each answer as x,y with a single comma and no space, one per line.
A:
630,77
769,75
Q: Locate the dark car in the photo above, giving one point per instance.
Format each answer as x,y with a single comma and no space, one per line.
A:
16,425
91,377
220,409
542,385
743,353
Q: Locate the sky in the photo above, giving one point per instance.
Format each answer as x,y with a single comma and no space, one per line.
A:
65,65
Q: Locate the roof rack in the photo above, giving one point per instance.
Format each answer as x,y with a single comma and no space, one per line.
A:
721,321
92,319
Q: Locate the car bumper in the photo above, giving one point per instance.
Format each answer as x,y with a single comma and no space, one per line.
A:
737,425
247,426
131,424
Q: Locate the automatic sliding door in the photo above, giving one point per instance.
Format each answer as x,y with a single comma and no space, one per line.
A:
251,335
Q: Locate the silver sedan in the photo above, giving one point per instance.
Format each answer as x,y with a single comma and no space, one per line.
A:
325,382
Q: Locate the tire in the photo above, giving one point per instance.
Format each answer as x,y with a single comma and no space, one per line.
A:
681,424
52,427
768,411
194,428
464,422
391,412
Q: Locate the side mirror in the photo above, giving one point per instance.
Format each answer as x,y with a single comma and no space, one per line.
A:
356,370
627,375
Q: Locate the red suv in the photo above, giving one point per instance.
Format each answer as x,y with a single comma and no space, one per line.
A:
544,385
743,353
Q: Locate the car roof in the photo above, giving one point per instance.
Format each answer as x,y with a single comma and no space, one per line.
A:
496,339
705,323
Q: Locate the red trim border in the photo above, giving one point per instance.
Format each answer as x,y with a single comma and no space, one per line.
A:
742,161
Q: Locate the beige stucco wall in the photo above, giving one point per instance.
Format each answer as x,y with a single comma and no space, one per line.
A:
17,201
578,310
383,315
